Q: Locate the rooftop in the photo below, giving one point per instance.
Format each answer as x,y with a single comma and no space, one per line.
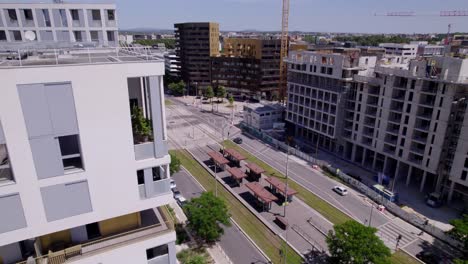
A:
30,57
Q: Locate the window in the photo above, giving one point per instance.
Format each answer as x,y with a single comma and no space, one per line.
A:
141,177
71,153
400,153
94,35
406,120
111,14
152,253
74,14
6,173
110,36
466,163
3,35
45,13
17,35
463,176
77,35
12,14
28,14
96,14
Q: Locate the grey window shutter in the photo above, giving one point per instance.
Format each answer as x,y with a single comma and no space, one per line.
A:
12,213
46,156
35,110
61,108
66,200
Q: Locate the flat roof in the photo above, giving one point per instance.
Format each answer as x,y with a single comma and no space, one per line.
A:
255,168
262,193
280,186
30,57
236,173
235,154
218,158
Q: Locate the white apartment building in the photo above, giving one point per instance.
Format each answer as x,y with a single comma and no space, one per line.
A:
263,117
405,51
78,181
172,64
318,82
91,24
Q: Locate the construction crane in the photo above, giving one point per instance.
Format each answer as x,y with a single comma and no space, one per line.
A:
451,13
284,50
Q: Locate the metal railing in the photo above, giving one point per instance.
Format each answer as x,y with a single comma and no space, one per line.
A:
27,57
412,218
62,256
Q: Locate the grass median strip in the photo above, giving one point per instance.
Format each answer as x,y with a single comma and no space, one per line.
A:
269,242
323,207
401,257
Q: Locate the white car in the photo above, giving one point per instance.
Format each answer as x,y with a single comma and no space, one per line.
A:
340,190
181,200
173,184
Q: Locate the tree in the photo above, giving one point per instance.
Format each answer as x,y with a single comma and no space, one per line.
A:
168,43
205,214
177,88
352,242
210,94
174,167
221,92
231,100
141,125
460,231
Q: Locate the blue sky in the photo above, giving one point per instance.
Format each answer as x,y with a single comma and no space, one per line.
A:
305,15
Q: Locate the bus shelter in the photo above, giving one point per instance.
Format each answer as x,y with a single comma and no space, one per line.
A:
234,156
236,174
218,159
278,186
263,196
255,172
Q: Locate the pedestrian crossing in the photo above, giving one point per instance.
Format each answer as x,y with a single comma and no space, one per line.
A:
390,232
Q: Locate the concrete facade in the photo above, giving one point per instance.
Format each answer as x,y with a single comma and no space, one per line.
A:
195,44
263,117
58,23
77,166
408,123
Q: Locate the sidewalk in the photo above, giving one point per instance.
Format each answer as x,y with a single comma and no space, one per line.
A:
218,254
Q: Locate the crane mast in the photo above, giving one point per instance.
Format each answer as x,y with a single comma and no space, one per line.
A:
284,50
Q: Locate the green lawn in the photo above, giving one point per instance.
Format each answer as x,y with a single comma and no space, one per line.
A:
323,207
255,229
400,257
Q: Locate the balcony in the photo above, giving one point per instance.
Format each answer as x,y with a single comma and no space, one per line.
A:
418,148
6,174
389,149
373,100
391,139
371,111
417,159
105,234
159,187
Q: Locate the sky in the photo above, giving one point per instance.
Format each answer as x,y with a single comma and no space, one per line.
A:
305,15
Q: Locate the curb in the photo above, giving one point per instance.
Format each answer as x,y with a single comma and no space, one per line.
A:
267,224
232,220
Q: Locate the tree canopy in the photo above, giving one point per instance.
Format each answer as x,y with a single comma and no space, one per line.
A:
221,92
460,231
209,92
169,43
205,214
352,242
174,167
231,100
373,40
177,88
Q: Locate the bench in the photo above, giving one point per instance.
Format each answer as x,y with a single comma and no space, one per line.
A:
281,222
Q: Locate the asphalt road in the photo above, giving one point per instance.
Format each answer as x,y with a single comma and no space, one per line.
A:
234,243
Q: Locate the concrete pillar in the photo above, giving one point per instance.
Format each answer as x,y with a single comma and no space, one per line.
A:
395,176
385,165
364,150
450,193
157,112
149,186
374,161
353,153
423,182
408,177
172,253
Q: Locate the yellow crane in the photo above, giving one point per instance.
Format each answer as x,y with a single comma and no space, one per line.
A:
284,51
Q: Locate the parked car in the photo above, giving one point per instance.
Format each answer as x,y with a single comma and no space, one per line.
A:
176,193
238,140
434,199
340,190
173,184
181,200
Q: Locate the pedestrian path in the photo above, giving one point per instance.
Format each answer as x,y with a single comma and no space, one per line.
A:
218,254
390,232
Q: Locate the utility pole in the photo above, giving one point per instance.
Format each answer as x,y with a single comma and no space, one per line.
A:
286,189
216,180
370,218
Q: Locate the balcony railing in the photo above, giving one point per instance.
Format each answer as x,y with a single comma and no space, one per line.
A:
159,187
62,256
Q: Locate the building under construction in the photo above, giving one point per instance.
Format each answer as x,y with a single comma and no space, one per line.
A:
248,67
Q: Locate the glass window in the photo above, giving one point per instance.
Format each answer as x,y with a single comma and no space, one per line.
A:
111,14
6,173
96,14
74,14
12,14
152,253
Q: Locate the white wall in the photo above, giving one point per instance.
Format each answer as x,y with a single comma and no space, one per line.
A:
102,109
130,253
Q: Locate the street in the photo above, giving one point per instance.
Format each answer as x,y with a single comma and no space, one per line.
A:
234,243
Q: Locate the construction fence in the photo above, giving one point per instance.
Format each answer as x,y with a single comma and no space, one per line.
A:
412,218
